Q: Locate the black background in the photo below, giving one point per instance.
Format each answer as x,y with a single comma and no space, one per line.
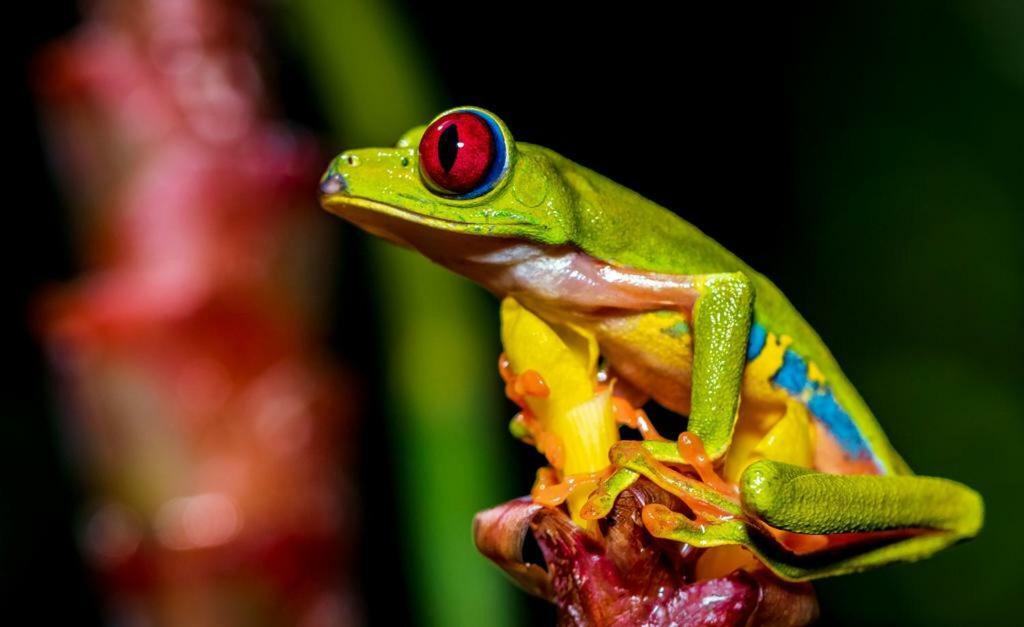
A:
758,124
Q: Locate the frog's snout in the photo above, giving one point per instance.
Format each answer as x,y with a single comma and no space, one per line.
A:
333,183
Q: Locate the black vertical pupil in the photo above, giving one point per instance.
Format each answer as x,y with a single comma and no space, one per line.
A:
448,147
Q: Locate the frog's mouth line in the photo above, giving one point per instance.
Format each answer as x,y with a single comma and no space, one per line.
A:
384,220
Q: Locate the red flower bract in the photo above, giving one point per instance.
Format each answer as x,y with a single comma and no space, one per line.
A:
627,577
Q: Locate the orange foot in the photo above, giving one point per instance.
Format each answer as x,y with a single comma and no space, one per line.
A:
519,386
554,494
691,449
626,414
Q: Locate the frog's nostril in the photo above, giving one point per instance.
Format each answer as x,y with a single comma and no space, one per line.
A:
334,183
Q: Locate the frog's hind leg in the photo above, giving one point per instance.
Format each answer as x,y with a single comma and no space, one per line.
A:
805,501
916,516
848,522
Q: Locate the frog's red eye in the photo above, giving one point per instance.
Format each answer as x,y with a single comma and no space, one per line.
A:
462,153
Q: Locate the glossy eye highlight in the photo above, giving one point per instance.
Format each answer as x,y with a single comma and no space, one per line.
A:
462,154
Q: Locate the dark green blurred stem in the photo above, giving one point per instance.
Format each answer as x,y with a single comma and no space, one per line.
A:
372,88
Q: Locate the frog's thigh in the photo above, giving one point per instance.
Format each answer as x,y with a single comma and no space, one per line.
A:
653,352
805,501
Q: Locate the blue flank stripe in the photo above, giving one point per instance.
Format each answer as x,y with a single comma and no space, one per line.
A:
827,409
792,377
758,336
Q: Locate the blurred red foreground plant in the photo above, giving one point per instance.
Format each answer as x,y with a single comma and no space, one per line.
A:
207,422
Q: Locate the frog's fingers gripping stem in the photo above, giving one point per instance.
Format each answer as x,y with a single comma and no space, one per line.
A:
635,459
721,329
915,517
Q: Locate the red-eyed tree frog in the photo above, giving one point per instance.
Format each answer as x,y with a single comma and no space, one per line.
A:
681,320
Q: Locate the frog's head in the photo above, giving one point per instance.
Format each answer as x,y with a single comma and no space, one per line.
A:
460,174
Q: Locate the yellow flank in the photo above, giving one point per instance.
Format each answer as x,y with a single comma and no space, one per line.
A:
657,347
791,440
771,424
665,334
814,373
757,377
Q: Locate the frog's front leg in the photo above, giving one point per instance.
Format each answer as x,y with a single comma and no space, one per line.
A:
721,319
721,330
720,307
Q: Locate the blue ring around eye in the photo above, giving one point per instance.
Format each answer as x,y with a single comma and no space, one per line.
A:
500,165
